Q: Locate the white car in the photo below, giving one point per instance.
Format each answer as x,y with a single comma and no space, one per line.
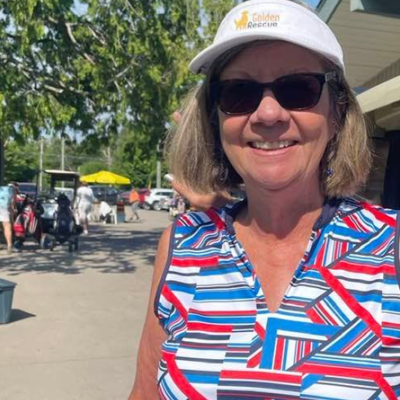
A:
157,199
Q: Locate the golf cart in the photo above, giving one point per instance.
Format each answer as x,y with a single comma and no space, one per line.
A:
59,222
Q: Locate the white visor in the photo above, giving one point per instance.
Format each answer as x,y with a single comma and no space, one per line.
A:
270,20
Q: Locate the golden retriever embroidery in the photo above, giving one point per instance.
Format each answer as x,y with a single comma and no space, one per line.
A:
242,22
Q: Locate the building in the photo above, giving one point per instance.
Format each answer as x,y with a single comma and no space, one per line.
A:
369,31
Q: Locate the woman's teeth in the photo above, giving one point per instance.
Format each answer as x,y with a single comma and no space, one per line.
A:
272,145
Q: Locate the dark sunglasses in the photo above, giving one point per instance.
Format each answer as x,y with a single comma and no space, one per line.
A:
293,92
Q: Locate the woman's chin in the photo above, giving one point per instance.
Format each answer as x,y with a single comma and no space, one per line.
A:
279,182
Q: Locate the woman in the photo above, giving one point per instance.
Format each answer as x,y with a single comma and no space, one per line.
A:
85,198
292,293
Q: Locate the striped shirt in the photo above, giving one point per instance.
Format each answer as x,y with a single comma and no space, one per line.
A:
336,334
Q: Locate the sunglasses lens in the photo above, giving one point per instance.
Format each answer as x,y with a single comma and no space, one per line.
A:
293,92
298,92
239,97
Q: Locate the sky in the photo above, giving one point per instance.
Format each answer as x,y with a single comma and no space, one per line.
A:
313,3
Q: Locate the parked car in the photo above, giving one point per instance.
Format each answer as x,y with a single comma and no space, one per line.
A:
157,199
142,195
27,188
108,194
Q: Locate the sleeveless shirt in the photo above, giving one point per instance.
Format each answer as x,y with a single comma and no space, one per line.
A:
336,334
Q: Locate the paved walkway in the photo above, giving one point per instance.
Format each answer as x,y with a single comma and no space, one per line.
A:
77,318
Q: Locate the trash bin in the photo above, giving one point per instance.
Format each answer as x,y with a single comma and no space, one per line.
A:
6,297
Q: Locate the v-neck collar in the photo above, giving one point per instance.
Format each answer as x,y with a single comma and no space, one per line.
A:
328,211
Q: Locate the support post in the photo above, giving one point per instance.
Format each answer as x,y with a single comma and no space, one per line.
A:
41,166
391,187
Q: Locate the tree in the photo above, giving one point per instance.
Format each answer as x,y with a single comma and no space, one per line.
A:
120,66
22,161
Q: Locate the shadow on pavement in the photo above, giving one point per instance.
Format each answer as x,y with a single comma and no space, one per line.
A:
18,315
107,249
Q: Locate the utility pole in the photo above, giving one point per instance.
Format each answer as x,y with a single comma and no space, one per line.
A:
62,156
62,153
159,154
41,165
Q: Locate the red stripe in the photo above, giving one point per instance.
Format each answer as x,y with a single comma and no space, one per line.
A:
179,378
325,313
390,341
349,222
239,312
259,330
361,312
359,338
337,370
199,326
186,219
386,388
315,317
308,348
167,293
195,262
365,269
279,347
259,375
255,360
213,215
379,215
387,324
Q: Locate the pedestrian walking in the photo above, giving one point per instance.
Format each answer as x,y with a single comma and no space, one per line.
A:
293,292
85,198
134,202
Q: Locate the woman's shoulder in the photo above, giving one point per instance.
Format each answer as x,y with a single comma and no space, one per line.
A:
217,217
363,210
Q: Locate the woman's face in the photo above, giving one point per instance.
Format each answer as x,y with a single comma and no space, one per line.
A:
272,147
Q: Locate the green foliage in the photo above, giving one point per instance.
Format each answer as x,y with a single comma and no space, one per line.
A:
91,167
22,161
113,75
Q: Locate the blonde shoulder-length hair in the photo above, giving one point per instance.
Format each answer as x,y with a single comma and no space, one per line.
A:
195,155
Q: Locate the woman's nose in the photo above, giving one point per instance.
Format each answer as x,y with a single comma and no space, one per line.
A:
269,111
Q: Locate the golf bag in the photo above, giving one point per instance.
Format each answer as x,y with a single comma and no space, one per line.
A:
64,220
28,222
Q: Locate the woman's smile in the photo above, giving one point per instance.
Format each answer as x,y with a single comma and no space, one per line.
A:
272,146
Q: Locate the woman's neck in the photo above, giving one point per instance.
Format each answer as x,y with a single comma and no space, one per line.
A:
281,213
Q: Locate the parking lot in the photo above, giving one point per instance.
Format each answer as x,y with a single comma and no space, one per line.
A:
77,318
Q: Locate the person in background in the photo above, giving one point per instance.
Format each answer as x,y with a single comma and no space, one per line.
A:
105,212
134,202
7,196
85,198
292,293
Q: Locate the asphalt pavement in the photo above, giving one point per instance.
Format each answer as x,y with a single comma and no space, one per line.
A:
77,317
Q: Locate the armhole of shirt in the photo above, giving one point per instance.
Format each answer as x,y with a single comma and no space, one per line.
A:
397,248
166,268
